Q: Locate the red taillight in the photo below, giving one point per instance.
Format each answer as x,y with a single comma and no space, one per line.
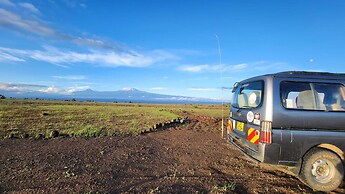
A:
266,132
230,125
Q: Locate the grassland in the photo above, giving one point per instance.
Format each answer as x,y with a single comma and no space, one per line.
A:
30,118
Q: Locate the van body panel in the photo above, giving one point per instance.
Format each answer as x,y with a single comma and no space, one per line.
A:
297,142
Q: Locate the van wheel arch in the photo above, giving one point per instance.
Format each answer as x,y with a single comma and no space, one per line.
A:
322,157
329,147
334,149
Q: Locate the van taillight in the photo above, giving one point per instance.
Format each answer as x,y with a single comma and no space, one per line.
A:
266,132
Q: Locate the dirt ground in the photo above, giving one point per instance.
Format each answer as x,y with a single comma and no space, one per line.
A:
188,158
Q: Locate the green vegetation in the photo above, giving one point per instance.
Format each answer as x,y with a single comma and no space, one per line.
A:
68,174
19,118
224,188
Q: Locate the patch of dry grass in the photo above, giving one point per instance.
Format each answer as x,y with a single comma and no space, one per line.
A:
33,117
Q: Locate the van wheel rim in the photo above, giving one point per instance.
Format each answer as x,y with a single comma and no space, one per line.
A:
322,171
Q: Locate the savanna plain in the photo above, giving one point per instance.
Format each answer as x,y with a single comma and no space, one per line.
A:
51,146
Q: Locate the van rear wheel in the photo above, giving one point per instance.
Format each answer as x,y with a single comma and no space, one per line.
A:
322,170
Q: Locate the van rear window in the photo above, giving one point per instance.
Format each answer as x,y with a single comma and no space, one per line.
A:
313,96
248,95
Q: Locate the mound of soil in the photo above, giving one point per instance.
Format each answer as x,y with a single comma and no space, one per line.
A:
189,158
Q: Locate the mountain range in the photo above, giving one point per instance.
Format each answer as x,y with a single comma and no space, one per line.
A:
125,95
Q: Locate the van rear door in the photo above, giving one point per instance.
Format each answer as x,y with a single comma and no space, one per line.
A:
244,118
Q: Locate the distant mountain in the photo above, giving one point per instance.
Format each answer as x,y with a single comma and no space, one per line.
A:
125,95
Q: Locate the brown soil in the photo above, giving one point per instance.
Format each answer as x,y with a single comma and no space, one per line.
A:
189,158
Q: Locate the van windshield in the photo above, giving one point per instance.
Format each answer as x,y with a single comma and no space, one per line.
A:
248,95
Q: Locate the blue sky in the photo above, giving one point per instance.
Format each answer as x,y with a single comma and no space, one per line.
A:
167,47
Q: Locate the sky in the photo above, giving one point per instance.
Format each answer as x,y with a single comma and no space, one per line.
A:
190,48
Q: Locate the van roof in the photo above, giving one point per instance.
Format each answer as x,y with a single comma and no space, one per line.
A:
302,75
310,74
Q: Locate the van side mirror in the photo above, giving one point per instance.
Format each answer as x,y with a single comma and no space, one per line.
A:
234,87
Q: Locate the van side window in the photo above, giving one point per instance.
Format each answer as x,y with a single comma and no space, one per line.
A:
248,95
313,96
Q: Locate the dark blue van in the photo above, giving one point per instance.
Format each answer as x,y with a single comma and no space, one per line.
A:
295,119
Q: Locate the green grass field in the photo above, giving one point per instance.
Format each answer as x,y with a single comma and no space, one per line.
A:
89,119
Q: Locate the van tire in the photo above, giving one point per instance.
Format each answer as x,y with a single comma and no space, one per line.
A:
322,170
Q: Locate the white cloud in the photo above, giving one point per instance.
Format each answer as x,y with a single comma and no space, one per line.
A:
14,21
7,57
19,87
194,69
17,22
239,66
76,88
7,2
29,7
40,88
252,66
6,86
51,89
70,91
71,77
116,54
95,43
200,68
105,58
212,68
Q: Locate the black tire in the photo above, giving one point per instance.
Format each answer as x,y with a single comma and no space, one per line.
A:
322,170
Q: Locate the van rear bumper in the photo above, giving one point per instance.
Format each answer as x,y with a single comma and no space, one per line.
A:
267,153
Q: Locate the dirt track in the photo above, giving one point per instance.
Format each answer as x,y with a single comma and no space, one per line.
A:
183,159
